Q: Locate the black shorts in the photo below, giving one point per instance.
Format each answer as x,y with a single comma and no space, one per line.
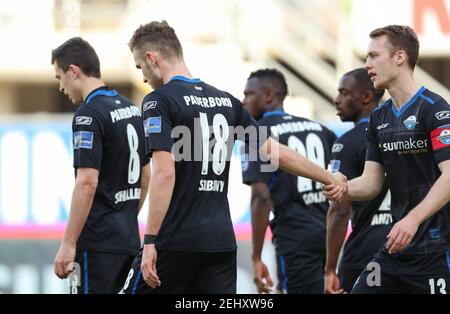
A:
348,278
186,272
298,275
401,273
101,272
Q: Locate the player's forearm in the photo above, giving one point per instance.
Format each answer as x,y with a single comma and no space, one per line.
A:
82,198
145,181
160,194
294,163
337,223
363,189
260,220
437,197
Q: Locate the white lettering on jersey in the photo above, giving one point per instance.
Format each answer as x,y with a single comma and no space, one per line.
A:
125,113
211,185
293,127
441,115
405,145
314,198
384,217
127,195
382,126
208,102
82,120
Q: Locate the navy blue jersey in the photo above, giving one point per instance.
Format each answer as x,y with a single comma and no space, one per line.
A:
371,220
108,136
299,207
194,121
410,144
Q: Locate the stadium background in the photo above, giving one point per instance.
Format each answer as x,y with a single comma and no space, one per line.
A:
312,41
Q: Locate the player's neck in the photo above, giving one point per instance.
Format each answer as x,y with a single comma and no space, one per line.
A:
402,90
175,69
90,84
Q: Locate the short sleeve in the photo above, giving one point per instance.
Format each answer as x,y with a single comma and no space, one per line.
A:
88,132
344,159
437,125
252,169
373,147
157,123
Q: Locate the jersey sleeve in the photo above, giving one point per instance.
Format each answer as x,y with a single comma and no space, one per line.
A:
373,148
158,123
437,125
251,169
88,131
344,159
253,135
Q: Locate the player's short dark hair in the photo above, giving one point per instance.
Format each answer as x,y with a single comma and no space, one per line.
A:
400,38
159,35
364,83
79,52
276,78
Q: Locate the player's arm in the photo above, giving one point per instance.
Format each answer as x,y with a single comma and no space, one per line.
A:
403,231
337,222
162,182
369,184
296,164
145,181
82,198
261,204
160,191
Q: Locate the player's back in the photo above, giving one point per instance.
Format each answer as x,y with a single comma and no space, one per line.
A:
192,120
299,206
109,136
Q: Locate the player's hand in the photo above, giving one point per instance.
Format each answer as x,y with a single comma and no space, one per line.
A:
148,266
64,260
262,279
337,190
333,284
401,234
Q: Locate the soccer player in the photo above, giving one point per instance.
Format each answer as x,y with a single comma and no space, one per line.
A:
371,220
189,245
408,138
111,170
299,207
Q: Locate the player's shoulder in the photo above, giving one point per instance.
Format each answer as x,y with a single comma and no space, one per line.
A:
432,98
382,107
353,137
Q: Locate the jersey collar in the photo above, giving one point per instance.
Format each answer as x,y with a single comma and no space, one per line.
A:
103,90
362,120
398,113
276,112
185,79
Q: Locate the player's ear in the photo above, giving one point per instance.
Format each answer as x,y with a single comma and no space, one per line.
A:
367,97
268,95
400,57
151,57
75,70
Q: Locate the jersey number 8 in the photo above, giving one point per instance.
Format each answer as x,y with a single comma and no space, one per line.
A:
134,164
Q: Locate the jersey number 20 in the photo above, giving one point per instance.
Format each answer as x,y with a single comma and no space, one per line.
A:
313,151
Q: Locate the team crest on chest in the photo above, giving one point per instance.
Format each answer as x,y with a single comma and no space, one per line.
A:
411,122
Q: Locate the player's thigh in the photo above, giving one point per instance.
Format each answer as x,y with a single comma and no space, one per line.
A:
348,278
102,273
217,274
302,273
174,269
434,277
